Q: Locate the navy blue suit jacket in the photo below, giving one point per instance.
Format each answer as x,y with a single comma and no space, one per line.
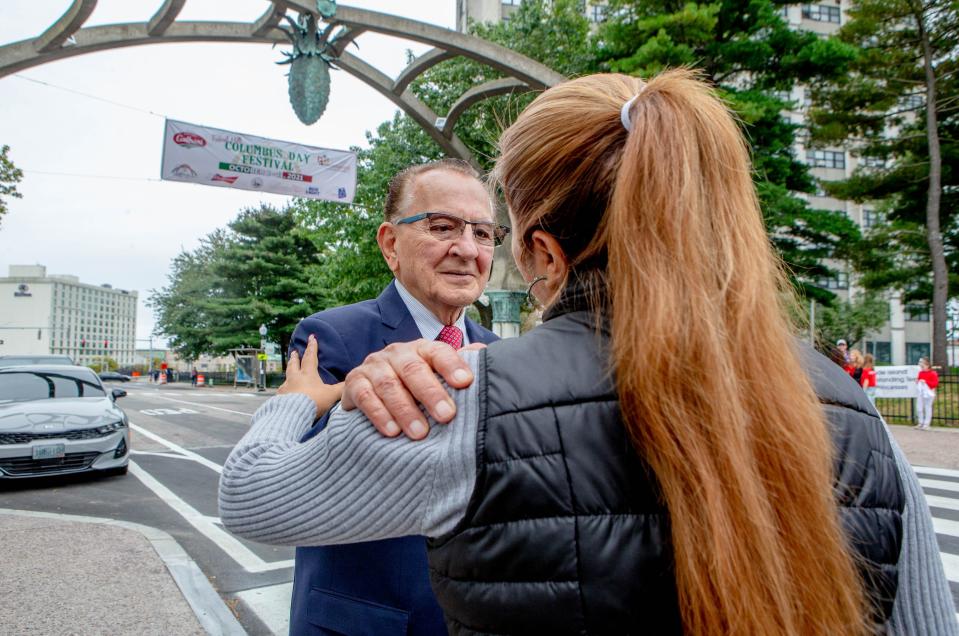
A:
378,588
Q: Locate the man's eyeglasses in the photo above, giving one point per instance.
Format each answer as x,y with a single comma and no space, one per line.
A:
446,227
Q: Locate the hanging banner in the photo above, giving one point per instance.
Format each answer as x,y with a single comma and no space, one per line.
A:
209,156
897,382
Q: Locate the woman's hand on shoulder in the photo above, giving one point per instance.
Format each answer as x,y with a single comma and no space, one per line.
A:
303,376
390,383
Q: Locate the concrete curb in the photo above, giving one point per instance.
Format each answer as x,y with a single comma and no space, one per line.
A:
210,610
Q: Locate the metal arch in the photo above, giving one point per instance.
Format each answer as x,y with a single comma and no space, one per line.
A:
417,66
479,93
68,24
411,105
164,17
66,38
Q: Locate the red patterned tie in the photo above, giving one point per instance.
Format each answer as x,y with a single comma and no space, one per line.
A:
451,335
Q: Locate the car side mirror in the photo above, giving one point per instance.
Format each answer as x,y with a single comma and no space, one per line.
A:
118,393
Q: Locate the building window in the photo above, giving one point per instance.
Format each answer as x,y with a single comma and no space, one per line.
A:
597,12
870,218
826,159
821,13
917,313
913,101
916,350
839,281
881,351
873,162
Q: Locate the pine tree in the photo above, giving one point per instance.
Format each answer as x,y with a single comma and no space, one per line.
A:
897,106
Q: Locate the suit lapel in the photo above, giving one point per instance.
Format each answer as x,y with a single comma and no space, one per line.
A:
398,323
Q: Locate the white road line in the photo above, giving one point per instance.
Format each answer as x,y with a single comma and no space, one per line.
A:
271,604
946,527
200,459
950,563
935,501
939,484
206,406
943,472
208,526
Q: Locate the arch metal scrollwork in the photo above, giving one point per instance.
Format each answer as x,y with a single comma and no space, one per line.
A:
67,37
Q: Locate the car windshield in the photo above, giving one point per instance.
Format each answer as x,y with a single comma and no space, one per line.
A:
19,384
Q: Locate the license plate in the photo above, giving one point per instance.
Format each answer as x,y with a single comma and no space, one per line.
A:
49,451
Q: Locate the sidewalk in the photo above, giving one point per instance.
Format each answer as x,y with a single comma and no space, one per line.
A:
938,447
80,576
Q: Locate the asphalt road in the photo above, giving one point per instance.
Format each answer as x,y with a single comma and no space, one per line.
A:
181,437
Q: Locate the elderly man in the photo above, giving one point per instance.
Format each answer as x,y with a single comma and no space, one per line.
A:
437,238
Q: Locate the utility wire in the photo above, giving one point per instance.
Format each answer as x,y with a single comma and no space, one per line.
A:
88,176
88,95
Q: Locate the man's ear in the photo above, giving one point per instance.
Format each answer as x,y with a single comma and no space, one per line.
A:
386,238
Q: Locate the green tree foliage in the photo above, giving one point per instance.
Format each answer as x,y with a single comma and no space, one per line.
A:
898,106
749,52
251,274
10,176
852,320
349,266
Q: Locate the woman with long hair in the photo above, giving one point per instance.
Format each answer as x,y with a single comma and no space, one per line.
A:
623,467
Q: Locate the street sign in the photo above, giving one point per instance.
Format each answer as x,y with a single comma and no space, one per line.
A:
261,356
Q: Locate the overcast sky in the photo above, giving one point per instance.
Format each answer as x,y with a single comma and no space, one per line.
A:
123,226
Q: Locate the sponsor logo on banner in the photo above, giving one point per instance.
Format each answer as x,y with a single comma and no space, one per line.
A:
312,190
257,182
341,193
220,177
189,140
323,159
183,171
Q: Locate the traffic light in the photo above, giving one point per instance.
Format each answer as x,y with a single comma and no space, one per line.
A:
105,343
83,344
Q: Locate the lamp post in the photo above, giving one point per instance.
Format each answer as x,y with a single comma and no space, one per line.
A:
262,355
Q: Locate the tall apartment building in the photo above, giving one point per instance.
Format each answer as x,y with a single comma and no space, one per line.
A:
58,314
908,333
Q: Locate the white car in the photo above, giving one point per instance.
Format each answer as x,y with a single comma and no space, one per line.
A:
58,419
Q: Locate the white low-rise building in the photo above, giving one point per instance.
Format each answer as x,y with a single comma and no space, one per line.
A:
58,314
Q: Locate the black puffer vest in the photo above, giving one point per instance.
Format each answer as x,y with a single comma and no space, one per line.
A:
565,532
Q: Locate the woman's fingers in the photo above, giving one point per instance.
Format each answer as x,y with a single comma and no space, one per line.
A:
310,355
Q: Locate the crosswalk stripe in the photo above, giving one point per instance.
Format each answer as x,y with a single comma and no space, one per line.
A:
950,563
943,472
948,503
939,484
946,527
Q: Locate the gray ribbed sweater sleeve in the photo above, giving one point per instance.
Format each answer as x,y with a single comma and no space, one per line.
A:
348,483
924,601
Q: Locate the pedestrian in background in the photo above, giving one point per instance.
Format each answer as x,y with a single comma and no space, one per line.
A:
868,381
193,376
854,365
843,348
927,382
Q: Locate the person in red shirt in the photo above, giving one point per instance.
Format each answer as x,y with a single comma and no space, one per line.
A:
927,382
869,378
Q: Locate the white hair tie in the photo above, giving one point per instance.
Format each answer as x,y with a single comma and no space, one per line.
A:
624,112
